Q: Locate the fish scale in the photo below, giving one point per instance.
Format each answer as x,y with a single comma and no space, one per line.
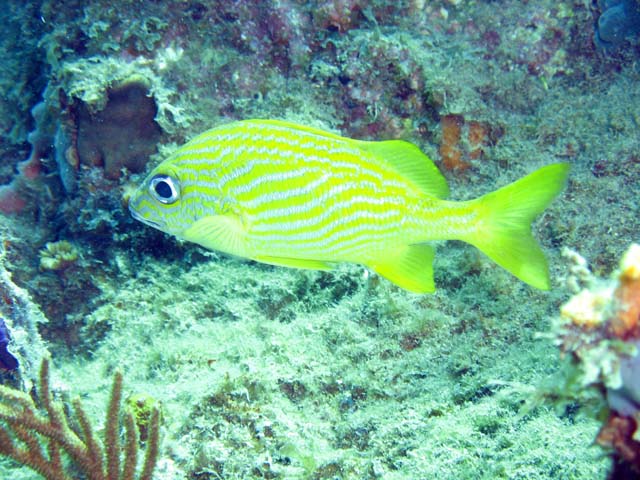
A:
295,184
295,196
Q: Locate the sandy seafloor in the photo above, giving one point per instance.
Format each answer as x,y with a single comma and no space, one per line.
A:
267,372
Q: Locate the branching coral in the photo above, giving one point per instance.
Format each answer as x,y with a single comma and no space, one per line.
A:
48,443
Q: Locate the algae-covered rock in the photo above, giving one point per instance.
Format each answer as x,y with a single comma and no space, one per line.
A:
90,80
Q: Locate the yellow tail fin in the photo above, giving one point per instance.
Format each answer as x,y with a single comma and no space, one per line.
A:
507,213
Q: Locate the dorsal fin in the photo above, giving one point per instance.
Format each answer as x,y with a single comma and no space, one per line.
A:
404,157
411,163
300,128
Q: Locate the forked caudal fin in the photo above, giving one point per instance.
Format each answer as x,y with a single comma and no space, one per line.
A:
505,232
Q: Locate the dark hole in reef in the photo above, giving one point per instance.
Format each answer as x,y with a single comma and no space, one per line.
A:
122,135
197,11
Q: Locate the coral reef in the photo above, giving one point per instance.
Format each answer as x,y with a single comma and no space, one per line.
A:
23,70
116,137
83,127
271,373
21,316
15,195
600,330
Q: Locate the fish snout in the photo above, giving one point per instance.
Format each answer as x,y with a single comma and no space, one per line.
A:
138,216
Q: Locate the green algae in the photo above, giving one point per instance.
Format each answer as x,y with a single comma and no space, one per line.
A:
217,358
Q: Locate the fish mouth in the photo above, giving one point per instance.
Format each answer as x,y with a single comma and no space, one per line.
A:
140,218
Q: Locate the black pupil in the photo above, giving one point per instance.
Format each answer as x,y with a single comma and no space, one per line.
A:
163,189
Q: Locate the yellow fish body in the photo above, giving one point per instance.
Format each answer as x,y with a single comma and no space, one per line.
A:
290,195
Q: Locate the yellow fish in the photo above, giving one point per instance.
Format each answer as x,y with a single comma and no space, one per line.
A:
295,196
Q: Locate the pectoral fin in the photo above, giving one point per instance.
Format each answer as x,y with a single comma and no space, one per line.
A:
225,233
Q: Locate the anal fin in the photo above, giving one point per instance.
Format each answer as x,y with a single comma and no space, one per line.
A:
409,267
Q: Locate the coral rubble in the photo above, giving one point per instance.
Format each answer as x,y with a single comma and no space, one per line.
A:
600,329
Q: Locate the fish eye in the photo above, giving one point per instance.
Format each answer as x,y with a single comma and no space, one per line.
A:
164,189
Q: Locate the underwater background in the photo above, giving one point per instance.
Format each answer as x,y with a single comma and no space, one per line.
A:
255,371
